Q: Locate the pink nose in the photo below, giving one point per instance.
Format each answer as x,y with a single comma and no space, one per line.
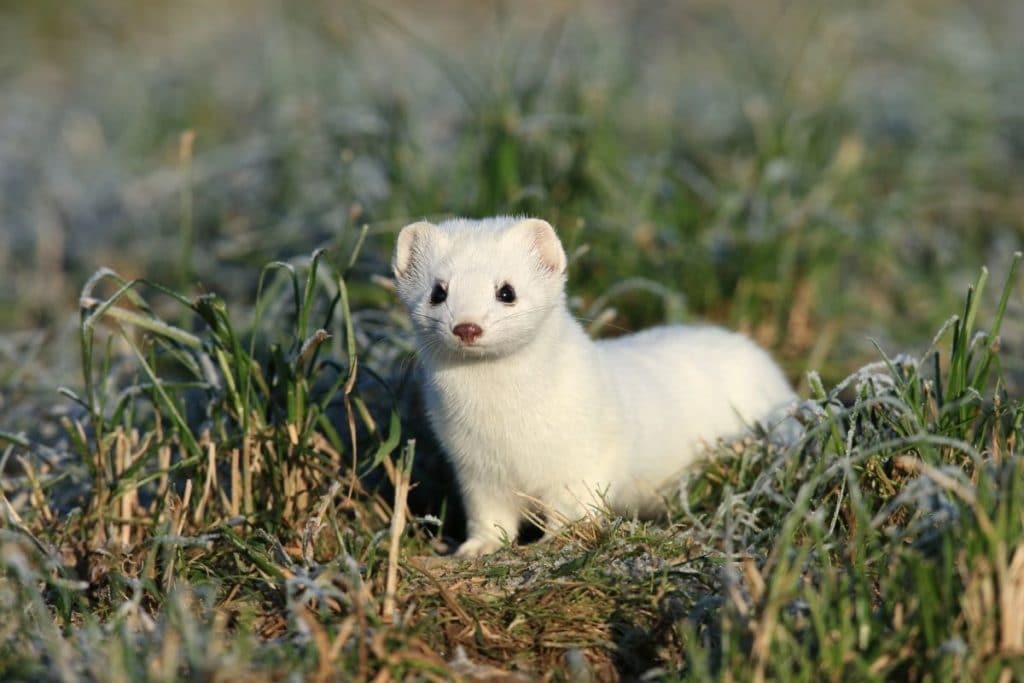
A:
467,332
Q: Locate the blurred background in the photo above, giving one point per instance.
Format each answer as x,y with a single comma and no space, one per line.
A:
822,175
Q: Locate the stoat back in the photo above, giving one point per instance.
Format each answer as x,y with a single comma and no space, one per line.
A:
682,388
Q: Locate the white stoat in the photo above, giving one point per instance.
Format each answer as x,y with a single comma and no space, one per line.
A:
527,406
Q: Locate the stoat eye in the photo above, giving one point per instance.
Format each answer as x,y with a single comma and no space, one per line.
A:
438,294
506,294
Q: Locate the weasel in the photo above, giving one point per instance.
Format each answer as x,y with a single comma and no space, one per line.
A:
531,411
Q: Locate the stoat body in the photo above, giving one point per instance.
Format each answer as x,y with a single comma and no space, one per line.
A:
534,413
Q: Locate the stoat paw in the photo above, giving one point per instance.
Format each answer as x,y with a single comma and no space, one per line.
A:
475,547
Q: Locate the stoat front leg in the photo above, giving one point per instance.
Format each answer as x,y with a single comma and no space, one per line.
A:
491,517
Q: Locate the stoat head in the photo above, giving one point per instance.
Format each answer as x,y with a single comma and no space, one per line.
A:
479,288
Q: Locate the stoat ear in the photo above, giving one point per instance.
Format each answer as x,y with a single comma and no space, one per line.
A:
411,244
545,244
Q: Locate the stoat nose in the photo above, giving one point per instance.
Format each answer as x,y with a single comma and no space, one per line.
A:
467,332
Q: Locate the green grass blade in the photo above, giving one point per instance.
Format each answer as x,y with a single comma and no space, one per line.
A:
981,373
307,294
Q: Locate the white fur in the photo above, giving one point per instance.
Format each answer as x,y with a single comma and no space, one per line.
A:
536,409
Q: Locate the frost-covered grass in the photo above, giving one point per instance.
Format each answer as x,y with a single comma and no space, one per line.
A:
201,518
213,495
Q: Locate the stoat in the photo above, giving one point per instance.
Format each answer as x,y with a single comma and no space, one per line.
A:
531,411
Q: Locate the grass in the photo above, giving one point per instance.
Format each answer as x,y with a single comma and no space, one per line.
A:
236,481
208,518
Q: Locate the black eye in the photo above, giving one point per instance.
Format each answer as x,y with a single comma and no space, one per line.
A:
438,294
506,294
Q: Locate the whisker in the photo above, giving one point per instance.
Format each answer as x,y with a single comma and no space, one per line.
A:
617,328
529,311
423,316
